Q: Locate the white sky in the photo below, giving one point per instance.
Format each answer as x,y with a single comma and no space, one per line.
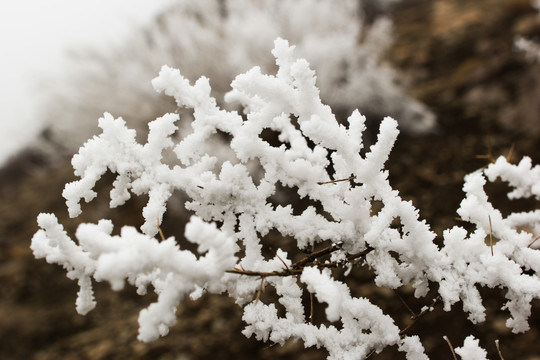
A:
34,34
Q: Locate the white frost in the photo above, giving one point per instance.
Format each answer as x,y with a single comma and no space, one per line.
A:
225,193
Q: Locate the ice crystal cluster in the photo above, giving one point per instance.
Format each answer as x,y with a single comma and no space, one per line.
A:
233,213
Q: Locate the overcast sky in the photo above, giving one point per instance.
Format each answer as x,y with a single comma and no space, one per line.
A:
34,35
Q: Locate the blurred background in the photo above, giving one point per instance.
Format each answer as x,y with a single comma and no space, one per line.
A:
448,70
36,38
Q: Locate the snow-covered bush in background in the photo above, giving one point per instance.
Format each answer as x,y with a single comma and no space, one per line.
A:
233,213
222,38
530,48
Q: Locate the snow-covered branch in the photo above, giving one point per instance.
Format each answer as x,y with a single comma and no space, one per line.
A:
315,153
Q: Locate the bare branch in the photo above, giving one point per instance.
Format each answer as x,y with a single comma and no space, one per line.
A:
335,181
451,347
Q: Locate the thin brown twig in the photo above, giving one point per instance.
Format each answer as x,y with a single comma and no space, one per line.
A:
490,235
160,232
357,255
259,292
298,267
311,309
289,272
371,353
510,152
404,303
317,254
533,241
483,157
286,266
451,347
335,181
269,346
417,317
350,258
489,155
498,349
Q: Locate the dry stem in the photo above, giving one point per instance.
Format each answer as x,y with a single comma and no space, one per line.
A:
490,235
451,347
259,292
297,268
498,349
335,181
533,241
160,232
417,317
312,309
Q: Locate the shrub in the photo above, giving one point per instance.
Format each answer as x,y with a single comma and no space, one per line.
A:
222,38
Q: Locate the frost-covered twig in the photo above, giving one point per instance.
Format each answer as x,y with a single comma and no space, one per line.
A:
353,232
298,267
140,260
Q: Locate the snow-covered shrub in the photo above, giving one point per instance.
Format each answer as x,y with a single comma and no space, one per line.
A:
530,48
322,160
222,38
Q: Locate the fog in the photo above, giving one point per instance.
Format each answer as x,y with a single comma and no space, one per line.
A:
36,36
